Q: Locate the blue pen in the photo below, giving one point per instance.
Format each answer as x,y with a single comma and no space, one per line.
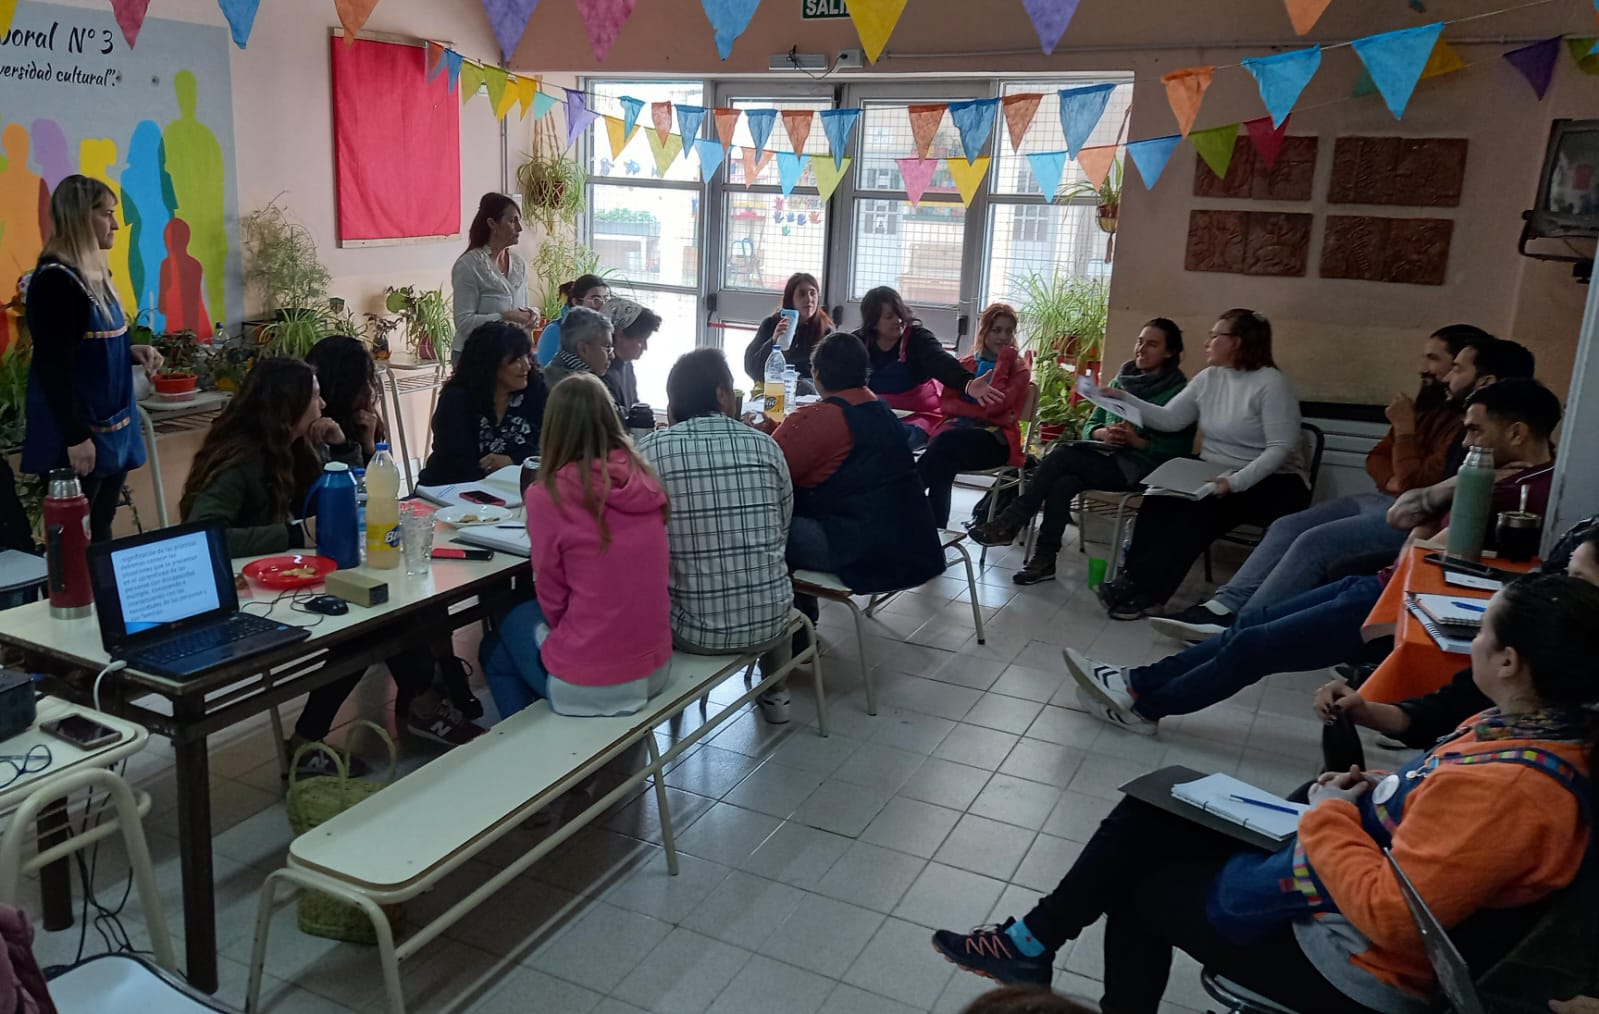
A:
1470,607
1266,805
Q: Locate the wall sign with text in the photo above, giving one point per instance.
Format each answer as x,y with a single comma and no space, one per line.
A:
814,9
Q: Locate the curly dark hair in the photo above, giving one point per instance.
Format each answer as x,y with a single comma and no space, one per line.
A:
259,424
349,380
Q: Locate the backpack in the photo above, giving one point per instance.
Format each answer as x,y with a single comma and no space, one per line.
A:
1007,495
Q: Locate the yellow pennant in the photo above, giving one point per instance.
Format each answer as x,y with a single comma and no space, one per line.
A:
1444,60
527,88
664,151
874,23
471,81
968,176
828,175
615,130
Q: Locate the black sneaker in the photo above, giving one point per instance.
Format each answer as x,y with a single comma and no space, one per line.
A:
1132,606
317,764
1112,591
451,681
989,952
1193,625
1039,569
997,532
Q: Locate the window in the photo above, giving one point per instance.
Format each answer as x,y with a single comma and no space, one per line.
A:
767,237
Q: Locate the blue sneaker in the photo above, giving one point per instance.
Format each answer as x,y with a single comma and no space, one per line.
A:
988,951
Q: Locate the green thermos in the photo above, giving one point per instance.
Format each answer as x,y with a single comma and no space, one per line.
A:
1472,510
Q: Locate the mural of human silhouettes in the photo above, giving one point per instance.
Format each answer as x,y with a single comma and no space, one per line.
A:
50,152
97,157
24,209
194,161
147,204
182,288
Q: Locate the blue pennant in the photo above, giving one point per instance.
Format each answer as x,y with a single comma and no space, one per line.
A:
631,107
760,121
838,123
789,169
729,18
1080,110
1395,61
1152,155
452,59
975,121
1047,167
689,121
241,18
710,153
1282,78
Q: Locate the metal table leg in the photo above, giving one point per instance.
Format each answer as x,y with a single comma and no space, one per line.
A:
55,880
154,460
194,852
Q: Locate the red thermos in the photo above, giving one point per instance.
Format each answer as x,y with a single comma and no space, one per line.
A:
66,536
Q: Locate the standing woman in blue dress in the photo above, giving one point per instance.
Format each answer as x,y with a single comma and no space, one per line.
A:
80,408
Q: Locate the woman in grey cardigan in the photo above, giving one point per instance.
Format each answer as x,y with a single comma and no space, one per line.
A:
490,279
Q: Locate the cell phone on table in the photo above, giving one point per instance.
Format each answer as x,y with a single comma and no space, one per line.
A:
1466,566
83,733
480,497
453,553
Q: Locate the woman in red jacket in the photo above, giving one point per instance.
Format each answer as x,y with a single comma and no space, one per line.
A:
974,436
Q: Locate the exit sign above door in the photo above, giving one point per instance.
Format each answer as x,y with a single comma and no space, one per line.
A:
814,9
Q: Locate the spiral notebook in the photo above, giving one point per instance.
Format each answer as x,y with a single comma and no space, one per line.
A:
1240,803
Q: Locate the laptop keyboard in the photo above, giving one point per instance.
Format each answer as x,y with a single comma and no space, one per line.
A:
236,628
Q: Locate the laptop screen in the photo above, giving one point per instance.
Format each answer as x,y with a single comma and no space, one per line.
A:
161,581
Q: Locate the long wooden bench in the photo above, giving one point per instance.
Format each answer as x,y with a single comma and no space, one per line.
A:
402,841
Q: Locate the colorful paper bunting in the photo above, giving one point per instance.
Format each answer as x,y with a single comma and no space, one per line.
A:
968,176
924,126
761,122
352,15
798,124
435,59
1050,18
661,115
1019,112
1305,13
578,116
729,18
828,174
603,20
1267,139
508,18
1582,54
471,81
527,93
130,17
1396,60
1047,167
874,22
1080,110
689,121
1185,90
495,79
975,121
755,163
543,102
1537,63
789,169
453,64
507,98
1152,155
1215,146
917,173
1444,60
837,123
1096,162
665,150
1282,77
631,107
726,125
711,154
616,131
240,15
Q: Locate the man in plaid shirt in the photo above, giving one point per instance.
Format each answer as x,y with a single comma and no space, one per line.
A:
731,499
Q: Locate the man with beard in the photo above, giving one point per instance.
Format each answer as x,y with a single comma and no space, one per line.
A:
1302,551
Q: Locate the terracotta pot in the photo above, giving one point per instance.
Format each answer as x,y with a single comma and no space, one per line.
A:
174,383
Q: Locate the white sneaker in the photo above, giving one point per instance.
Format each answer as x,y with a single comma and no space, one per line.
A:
1108,683
775,705
1127,721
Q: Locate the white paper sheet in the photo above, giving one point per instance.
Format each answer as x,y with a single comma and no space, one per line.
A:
1087,389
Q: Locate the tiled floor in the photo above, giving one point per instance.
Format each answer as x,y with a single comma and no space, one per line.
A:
812,869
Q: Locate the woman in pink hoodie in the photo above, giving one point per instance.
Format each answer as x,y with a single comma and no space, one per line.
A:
598,639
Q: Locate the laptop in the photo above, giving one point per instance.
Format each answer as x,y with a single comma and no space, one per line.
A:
1454,977
168,606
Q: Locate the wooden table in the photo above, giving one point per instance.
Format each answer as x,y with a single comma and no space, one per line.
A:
453,595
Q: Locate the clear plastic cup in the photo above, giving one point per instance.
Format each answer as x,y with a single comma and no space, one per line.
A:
416,539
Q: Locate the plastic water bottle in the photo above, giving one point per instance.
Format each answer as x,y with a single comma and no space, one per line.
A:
790,386
335,516
1472,509
773,390
383,511
360,510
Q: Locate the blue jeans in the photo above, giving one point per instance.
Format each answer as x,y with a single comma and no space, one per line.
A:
512,665
807,545
1313,630
1300,551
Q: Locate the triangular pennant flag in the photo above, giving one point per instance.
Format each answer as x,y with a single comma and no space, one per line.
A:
130,17
508,18
1444,60
837,124
1185,90
874,23
1267,139
495,79
603,20
711,154
917,174
578,116
665,152
352,15
1050,18
1047,167
1582,54
1151,156
1080,110
789,169
8,10
924,125
543,102
471,81
527,92
1537,63
240,15
1305,13
729,18
968,176
689,121
1396,60
435,58
508,100
616,132
453,63
798,124
761,122
1215,146
754,164
631,107
1282,77
726,125
827,174
1019,113
975,121
1095,162
661,116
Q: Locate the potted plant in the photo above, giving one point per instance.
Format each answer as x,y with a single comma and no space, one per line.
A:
377,331
552,185
1108,202
179,375
1064,318
429,322
281,260
558,262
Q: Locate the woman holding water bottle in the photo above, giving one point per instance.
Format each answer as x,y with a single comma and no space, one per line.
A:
796,328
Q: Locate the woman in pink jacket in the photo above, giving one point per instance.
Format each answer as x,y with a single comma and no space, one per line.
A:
598,639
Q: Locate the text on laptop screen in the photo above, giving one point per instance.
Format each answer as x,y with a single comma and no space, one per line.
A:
165,581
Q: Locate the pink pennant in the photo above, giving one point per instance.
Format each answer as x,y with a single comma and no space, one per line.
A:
130,17
798,124
753,167
661,115
918,175
1019,113
1268,140
352,15
604,20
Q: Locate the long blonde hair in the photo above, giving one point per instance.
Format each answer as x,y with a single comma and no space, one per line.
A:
72,239
581,427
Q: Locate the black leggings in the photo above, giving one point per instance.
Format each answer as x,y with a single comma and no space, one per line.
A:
103,493
1149,872
1055,483
953,451
413,674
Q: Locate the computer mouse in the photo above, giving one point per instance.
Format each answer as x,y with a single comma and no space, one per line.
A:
328,605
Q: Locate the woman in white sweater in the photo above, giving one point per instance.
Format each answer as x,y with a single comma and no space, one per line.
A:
489,281
1248,418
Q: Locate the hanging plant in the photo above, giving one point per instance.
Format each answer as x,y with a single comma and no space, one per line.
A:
552,184
1108,202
